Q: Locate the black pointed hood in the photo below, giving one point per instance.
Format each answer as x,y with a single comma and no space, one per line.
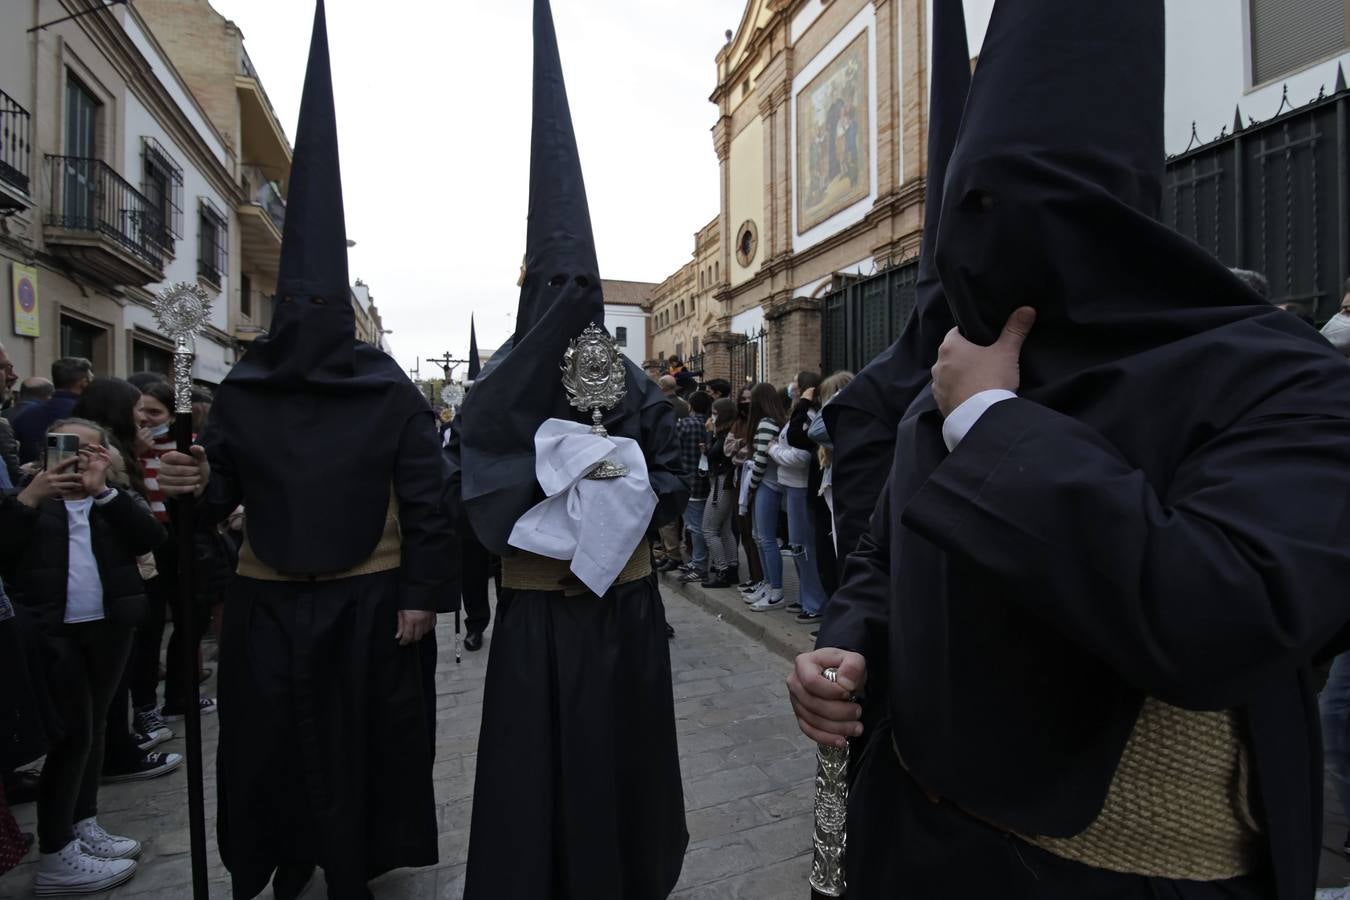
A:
312,339
1055,189
560,295
560,264
297,392
862,418
475,366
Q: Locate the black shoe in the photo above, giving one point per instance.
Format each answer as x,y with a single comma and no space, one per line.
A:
719,579
21,786
807,618
292,880
733,576
473,641
152,765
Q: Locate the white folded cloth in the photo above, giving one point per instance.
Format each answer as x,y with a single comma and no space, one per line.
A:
595,524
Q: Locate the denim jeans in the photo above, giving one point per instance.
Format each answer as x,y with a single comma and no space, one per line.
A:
768,500
1334,703
802,539
693,521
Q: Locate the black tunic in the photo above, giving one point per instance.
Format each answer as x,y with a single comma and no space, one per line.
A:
578,790
343,778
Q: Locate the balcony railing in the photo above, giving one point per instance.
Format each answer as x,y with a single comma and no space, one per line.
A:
16,132
88,195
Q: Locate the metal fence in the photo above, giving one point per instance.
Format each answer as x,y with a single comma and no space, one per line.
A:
1272,197
15,142
750,360
861,319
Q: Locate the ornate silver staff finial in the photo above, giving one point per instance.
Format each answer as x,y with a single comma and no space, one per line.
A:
181,310
595,379
830,838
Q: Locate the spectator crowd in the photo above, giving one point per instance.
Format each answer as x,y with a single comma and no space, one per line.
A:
90,568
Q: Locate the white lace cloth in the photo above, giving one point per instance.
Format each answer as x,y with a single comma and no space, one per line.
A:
595,524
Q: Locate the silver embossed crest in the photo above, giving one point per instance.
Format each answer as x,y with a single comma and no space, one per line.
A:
181,310
595,380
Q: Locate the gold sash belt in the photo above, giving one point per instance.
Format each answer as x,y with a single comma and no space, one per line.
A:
531,572
1177,806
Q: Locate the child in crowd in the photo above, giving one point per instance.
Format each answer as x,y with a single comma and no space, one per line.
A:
71,563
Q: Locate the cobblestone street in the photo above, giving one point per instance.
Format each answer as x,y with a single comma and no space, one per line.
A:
747,780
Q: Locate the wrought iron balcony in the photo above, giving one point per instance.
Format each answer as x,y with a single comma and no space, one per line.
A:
103,224
16,132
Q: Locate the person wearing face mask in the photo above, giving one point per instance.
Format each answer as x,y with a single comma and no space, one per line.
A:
1337,329
327,648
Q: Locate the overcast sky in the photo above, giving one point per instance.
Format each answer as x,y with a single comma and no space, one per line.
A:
433,106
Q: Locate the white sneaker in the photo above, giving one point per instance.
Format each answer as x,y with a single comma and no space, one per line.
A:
75,871
772,599
757,593
98,842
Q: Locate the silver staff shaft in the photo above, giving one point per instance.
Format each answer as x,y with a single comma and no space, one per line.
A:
830,837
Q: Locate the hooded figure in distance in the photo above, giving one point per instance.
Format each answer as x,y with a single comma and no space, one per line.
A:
578,789
861,419
1113,538
347,558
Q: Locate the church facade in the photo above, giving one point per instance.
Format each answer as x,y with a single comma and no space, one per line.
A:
820,137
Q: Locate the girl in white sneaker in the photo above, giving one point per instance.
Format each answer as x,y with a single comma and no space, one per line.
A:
73,566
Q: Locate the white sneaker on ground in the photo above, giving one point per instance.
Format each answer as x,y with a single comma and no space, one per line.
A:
103,845
757,594
74,871
772,599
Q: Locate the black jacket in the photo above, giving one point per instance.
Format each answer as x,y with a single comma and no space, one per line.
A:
36,556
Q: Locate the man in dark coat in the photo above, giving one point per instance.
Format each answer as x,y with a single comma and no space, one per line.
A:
1113,536
327,646
578,789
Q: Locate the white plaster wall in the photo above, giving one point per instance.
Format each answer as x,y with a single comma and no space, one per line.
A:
1207,68
1208,72
863,21
747,196
635,320
804,18
183,266
168,77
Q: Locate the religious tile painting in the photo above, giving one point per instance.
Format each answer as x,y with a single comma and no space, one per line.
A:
833,138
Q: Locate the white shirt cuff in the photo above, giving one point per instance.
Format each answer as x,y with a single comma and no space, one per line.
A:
964,417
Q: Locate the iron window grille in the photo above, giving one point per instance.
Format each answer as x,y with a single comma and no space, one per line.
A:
162,185
213,235
15,142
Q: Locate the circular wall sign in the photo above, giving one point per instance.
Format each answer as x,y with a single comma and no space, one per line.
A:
27,296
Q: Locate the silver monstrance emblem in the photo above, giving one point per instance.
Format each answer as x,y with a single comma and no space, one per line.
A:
595,380
182,310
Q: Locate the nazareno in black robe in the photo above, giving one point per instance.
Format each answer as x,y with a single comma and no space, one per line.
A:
326,722
1164,511
578,790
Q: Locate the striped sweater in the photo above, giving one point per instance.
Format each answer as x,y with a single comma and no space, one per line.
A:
150,469
762,467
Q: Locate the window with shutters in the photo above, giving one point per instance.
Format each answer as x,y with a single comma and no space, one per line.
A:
1289,35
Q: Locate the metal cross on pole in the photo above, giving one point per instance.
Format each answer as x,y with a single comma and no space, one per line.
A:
452,397
182,310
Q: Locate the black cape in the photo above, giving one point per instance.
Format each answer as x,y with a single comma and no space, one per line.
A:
1161,513
862,418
